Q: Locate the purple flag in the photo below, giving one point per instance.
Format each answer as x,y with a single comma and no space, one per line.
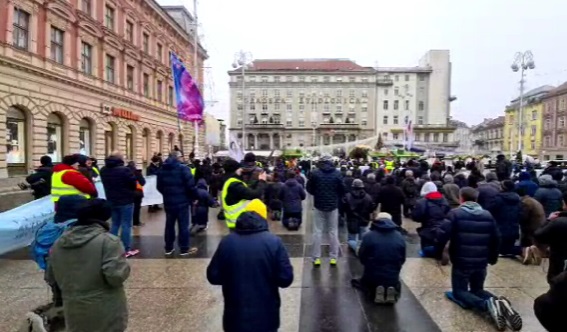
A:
190,104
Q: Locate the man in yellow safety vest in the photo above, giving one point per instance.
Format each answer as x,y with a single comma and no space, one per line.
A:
389,166
67,180
236,194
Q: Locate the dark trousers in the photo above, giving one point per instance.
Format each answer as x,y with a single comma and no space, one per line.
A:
508,247
549,316
288,215
137,208
407,210
468,288
177,215
369,288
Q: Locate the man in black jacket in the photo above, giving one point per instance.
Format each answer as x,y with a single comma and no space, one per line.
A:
327,187
474,241
40,181
120,188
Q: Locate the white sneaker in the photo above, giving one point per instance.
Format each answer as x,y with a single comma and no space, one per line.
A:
379,296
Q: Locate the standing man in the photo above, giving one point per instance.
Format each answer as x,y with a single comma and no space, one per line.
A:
120,187
177,185
327,187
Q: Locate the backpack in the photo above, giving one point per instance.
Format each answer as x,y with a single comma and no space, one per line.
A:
45,237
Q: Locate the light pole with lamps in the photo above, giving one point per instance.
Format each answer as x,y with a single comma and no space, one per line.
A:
522,62
242,60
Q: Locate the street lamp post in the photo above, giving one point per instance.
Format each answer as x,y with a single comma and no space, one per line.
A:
243,59
522,62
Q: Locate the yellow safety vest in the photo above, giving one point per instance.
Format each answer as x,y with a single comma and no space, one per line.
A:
389,165
259,164
192,170
96,171
59,188
232,212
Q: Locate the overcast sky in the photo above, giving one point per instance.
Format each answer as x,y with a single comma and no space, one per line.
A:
482,35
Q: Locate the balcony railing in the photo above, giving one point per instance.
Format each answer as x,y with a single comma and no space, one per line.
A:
384,82
339,126
265,125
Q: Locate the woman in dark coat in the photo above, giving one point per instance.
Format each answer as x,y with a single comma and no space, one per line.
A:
291,195
430,211
139,196
203,202
506,208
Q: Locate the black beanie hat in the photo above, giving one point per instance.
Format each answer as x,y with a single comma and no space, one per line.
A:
249,157
94,210
70,159
46,161
230,166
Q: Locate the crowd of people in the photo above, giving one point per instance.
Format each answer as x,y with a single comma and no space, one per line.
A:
468,217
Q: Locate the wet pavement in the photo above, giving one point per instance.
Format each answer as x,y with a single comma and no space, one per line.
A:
174,295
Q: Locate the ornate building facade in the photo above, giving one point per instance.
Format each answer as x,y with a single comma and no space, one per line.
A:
89,76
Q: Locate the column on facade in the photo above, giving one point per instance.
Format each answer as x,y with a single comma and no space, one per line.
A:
281,141
271,141
256,141
330,139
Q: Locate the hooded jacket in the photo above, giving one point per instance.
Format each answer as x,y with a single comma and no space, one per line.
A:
291,195
119,182
451,191
549,195
358,209
533,216
383,253
40,181
526,184
506,209
203,202
94,299
410,190
430,211
473,235
176,183
251,264
553,234
327,187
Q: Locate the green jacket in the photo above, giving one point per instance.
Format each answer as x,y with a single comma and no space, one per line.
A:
89,266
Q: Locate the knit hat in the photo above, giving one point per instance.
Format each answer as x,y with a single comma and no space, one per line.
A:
428,188
326,157
259,207
448,178
46,161
70,159
357,183
94,210
384,215
508,185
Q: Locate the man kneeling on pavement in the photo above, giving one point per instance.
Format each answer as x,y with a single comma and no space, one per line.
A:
382,252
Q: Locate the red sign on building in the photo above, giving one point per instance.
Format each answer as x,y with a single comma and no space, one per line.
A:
125,114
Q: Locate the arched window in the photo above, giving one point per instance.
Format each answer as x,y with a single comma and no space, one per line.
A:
109,138
129,144
146,145
170,142
55,137
159,137
85,137
15,136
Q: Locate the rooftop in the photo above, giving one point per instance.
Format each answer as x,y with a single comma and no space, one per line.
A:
537,92
562,89
403,69
489,124
309,65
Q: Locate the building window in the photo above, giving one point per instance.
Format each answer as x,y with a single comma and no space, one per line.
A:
407,105
129,31
534,115
385,92
395,119
288,107
339,108
146,42
85,137
547,123
302,79
130,78
395,135
170,95
264,79
351,94
289,78
54,137
159,90
301,123
561,122
435,137
546,141
407,78
86,58
364,94
159,52
396,78
364,109
420,120
420,106
534,129
326,79
445,137
396,104
339,93
421,78
109,18
385,120
21,29
15,136
110,68
86,6
560,140
385,106
146,85
264,107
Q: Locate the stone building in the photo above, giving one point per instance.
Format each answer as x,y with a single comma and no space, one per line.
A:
91,76
488,136
462,136
554,127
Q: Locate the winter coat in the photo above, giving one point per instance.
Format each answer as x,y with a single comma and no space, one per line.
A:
383,253
359,206
216,181
203,201
348,182
410,190
486,195
176,183
503,169
526,184
473,235
153,169
272,196
119,182
89,266
430,211
451,193
506,208
291,195
327,187
40,181
460,180
237,191
549,195
553,234
391,198
532,217
372,188
251,264
550,307
76,179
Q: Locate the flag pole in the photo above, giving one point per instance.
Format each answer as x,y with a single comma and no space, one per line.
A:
196,70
